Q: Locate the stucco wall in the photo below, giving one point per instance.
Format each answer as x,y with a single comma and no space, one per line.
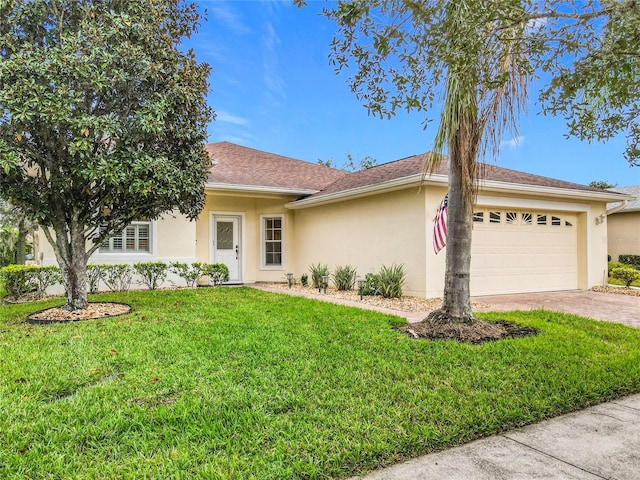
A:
249,209
623,234
173,238
365,233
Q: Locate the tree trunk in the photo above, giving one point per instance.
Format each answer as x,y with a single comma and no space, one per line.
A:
70,249
21,243
456,303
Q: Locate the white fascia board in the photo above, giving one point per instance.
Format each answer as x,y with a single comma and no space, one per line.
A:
226,187
494,185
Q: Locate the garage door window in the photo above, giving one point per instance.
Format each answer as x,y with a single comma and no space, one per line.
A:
527,219
512,218
478,217
542,219
495,217
555,221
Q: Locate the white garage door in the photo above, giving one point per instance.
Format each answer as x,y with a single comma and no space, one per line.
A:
523,251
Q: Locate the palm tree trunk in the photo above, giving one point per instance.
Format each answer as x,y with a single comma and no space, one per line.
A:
456,303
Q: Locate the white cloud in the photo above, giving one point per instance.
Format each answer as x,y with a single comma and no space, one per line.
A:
226,117
227,16
515,142
276,86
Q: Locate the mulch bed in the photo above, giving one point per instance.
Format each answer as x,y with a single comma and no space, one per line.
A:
474,333
94,310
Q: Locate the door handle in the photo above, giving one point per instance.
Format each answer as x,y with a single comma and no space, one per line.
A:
236,252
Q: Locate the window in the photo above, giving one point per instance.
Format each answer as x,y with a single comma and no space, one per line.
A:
555,221
542,219
568,224
494,217
272,241
135,238
512,218
478,217
527,218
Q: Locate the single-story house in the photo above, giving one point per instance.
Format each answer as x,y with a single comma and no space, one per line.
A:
267,215
623,224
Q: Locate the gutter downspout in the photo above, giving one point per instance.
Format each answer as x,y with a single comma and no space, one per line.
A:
618,208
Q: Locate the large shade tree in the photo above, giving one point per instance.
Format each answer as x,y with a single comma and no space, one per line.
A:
473,60
102,119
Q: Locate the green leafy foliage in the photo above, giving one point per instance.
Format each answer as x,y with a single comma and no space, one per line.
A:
217,272
45,277
94,274
304,280
18,280
117,277
626,274
151,274
317,272
190,273
344,277
632,260
371,284
391,280
612,265
103,119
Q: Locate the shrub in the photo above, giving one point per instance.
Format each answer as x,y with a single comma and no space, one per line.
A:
217,272
94,274
304,280
43,277
189,273
626,274
152,274
117,277
612,265
344,277
317,272
17,280
391,279
632,260
371,284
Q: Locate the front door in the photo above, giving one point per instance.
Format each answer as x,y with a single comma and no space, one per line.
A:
226,244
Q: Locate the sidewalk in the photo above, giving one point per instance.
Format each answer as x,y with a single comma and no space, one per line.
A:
601,442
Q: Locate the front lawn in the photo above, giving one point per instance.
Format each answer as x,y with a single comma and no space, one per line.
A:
238,383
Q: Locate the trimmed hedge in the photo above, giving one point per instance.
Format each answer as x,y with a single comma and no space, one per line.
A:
18,280
632,260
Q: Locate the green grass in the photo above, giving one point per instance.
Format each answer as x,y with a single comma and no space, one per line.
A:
237,383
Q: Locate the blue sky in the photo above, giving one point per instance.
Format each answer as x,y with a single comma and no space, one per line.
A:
273,89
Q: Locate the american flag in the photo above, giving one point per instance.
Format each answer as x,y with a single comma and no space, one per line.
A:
440,226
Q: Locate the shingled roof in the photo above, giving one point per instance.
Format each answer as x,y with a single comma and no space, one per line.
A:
242,166
413,165
631,206
237,166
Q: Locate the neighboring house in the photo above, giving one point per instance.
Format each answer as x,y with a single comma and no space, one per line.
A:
267,215
623,224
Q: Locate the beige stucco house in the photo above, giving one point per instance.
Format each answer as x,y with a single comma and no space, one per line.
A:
623,224
267,215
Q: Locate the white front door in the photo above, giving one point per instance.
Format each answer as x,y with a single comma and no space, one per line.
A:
226,246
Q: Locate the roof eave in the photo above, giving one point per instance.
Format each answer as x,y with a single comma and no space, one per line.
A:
259,189
436,179
365,190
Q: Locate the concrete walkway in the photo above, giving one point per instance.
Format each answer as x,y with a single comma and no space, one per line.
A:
601,442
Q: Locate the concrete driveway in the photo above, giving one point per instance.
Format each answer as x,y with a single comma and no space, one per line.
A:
610,307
